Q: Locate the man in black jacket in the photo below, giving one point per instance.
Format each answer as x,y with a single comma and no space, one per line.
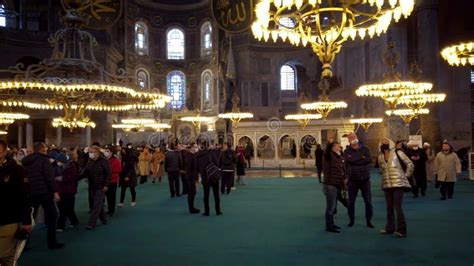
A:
97,171
358,163
15,205
205,157
173,166
43,189
191,175
227,161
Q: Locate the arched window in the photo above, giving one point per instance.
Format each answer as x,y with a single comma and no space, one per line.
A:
176,83
143,79
3,16
175,44
287,78
206,88
206,38
141,38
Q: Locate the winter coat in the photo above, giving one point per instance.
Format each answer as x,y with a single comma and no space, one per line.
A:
227,160
334,170
203,159
240,163
40,174
318,157
69,180
129,163
447,166
15,205
393,175
358,163
173,161
190,168
144,164
430,167
420,165
98,173
157,163
115,168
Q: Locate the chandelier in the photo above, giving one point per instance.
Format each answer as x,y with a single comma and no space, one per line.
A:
140,124
198,120
7,118
3,132
459,55
366,123
407,114
72,81
303,119
235,116
324,106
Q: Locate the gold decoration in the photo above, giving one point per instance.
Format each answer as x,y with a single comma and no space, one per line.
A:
459,55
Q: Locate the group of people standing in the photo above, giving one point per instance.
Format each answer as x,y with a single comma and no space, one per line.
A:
404,168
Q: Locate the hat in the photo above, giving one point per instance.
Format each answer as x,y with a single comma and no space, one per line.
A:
61,157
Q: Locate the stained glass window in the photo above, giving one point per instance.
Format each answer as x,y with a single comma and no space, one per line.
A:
176,83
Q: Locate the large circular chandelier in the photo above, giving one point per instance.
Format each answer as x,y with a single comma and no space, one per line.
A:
140,124
459,55
7,118
366,123
326,24
235,115
303,119
407,114
72,81
324,107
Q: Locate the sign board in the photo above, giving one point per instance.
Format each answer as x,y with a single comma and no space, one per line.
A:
416,138
233,16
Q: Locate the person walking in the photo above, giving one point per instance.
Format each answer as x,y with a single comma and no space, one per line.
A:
358,163
227,162
157,165
334,181
206,162
115,169
128,177
448,166
173,166
144,164
182,173
241,166
419,158
191,174
99,175
66,182
15,205
43,189
430,167
394,183
318,157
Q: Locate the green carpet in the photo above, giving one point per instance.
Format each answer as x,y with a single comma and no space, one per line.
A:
271,221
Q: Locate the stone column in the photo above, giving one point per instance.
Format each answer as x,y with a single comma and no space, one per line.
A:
88,136
59,136
29,134
20,135
429,61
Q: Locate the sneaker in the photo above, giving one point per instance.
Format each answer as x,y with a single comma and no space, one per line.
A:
133,204
385,232
59,230
120,205
234,188
399,235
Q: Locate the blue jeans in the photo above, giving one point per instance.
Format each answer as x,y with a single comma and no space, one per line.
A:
332,193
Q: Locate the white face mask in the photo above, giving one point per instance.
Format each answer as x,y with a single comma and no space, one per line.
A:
415,148
51,160
60,164
355,141
107,154
86,150
92,155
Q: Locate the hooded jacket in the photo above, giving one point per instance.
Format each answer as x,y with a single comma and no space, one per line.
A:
227,160
334,170
40,174
393,175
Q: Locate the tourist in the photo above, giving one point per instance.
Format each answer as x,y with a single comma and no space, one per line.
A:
144,165
447,166
128,176
19,156
419,158
173,166
191,175
182,173
66,181
227,162
358,162
430,167
334,181
115,169
97,171
43,189
318,156
15,206
248,153
241,166
157,165
206,164
394,183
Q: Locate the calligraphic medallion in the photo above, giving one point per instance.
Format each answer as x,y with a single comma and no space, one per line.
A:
233,15
101,14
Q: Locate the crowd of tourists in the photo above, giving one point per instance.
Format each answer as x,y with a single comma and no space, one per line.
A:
47,179
405,167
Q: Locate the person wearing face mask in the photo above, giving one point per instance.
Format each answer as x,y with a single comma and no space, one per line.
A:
394,184
418,157
97,171
116,169
66,181
335,179
44,192
447,167
358,163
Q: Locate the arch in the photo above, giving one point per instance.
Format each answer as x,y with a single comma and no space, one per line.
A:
207,90
307,146
175,43
142,78
287,147
266,148
206,38
141,38
288,80
176,84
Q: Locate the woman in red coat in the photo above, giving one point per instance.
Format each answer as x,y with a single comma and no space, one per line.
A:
116,169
